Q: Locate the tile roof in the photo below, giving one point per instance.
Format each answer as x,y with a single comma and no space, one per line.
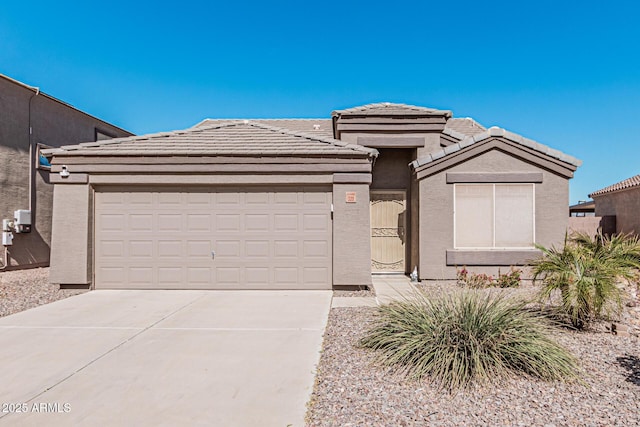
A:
231,138
634,181
490,133
463,127
391,109
322,127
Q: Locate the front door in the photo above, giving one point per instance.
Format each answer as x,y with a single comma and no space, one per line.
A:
388,225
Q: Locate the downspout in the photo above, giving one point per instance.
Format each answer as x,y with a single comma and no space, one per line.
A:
32,158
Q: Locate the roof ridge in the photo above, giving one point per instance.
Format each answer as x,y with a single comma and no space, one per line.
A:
149,138
495,131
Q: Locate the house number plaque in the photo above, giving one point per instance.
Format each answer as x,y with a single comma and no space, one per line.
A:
350,197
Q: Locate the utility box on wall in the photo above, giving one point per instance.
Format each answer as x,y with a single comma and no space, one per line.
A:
22,221
7,238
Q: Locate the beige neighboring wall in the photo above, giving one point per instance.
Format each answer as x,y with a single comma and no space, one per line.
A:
624,205
54,124
436,210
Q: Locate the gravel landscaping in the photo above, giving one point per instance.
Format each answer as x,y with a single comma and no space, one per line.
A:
24,289
351,390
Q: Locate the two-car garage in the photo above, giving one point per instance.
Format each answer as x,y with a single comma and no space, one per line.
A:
237,205
204,238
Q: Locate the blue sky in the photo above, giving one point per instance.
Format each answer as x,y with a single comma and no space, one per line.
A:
566,74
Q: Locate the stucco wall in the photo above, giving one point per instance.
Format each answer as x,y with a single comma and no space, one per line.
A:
70,235
351,236
53,124
625,206
436,211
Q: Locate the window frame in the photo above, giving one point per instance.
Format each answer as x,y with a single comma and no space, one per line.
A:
493,192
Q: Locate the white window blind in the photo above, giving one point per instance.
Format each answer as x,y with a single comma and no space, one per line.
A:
494,215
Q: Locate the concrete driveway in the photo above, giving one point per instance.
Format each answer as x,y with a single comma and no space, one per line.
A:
228,358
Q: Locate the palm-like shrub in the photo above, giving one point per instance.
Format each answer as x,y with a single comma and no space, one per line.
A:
585,272
466,337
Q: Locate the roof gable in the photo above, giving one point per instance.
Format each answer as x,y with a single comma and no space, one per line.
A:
493,138
632,182
230,138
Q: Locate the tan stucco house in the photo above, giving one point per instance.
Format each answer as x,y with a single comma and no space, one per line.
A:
304,204
31,120
620,203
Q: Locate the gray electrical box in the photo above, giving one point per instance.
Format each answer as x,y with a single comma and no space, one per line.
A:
7,238
22,221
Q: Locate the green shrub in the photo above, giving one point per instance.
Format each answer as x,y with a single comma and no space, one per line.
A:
509,280
585,272
466,337
473,280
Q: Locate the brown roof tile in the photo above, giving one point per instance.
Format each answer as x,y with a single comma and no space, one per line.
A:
494,132
323,127
634,181
465,126
227,138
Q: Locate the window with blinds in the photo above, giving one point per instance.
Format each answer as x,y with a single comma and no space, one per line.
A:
494,216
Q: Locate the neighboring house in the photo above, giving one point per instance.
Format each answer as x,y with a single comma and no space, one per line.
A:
583,209
621,202
305,204
29,121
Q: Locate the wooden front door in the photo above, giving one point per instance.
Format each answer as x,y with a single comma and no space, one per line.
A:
388,225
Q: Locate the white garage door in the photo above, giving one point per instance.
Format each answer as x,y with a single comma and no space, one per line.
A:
257,238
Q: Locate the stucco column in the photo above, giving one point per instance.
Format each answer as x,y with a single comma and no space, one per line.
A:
70,235
351,233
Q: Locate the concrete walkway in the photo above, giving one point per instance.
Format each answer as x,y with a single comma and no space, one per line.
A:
149,358
388,288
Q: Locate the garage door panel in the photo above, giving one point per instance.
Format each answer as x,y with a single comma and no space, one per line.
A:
315,275
199,249
285,222
286,275
112,222
285,248
169,222
227,249
276,239
199,222
256,222
140,248
315,248
141,276
196,275
227,275
315,222
227,222
137,223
